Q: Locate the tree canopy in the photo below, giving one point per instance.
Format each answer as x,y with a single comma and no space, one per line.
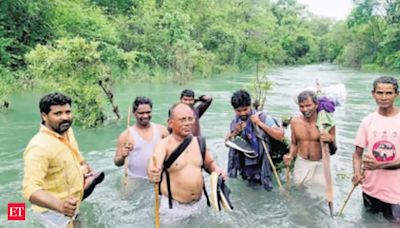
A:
87,41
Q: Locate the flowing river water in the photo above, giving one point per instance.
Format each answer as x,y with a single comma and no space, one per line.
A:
111,205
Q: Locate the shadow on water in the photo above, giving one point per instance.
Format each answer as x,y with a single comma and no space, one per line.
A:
111,206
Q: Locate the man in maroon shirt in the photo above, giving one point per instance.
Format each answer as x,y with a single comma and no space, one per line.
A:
199,105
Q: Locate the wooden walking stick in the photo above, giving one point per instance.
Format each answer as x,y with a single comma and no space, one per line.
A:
128,121
156,201
272,165
258,134
287,177
347,199
328,176
71,219
324,124
349,195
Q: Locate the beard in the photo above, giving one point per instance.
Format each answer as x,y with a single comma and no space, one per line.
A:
63,127
307,114
244,118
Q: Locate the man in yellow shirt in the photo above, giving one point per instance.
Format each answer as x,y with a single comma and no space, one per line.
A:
54,169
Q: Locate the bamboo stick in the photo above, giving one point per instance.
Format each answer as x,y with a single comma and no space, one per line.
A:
128,121
347,199
71,219
287,177
156,201
328,176
272,165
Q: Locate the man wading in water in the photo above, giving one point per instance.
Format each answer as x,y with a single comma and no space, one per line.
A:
379,133
199,106
185,176
54,169
137,143
305,142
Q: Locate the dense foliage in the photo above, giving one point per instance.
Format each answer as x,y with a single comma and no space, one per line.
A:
73,66
153,40
369,38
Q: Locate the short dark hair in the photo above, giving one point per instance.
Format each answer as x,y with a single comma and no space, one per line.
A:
240,98
386,80
140,101
54,98
305,95
187,93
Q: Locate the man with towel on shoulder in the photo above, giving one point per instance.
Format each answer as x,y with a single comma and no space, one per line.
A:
305,142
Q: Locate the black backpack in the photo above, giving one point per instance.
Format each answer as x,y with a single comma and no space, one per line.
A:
276,148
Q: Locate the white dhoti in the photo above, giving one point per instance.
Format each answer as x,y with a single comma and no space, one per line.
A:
180,211
52,219
310,175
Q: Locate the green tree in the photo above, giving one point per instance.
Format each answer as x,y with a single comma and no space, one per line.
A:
6,86
79,18
115,7
74,66
23,24
374,30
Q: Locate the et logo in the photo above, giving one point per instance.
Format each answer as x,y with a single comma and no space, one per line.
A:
16,211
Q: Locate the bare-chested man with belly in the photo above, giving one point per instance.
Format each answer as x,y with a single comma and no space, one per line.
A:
305,142
185,173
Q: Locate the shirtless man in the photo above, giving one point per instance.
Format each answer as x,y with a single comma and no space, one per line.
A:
186,178
138,142
305,142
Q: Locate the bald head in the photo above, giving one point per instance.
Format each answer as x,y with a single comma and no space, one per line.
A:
178,108
181,119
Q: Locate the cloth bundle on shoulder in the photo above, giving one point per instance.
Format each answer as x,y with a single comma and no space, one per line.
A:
325,120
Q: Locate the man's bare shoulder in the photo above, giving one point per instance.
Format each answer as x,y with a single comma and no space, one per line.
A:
124,134
124,138
296,120
166,142
161,128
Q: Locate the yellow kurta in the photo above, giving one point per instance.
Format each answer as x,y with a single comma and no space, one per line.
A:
52,163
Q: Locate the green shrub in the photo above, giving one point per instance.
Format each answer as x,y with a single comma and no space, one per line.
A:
73,66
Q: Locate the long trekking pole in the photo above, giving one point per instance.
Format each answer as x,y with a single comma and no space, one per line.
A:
348,196
328,177
71,219
128,121
272,165
156,201
287,177
347,199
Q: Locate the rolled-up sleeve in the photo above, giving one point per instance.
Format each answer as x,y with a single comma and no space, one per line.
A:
35,169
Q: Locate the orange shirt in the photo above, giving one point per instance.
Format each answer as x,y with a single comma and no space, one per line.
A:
52,163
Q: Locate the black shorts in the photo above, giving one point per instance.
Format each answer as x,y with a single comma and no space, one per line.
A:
389,211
